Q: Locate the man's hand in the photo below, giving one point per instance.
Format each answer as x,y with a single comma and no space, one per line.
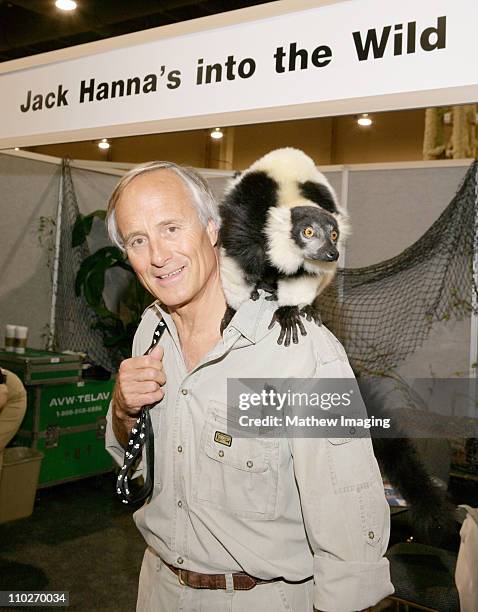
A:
138,384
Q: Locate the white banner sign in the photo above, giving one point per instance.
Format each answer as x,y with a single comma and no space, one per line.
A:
349,51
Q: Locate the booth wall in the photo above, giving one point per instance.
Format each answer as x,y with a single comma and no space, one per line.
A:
391,208
29,190
92,189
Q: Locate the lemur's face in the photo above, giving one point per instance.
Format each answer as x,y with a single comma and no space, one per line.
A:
316,233
168,247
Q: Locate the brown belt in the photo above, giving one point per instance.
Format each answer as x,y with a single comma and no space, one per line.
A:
195,580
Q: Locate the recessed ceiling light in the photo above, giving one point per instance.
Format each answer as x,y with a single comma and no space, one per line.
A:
66,5
217,134
364,120
104,144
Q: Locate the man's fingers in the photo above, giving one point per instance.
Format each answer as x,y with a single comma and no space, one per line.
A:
157,352
145,361
145,386
139,382
150,398
131,392
144,374
138,400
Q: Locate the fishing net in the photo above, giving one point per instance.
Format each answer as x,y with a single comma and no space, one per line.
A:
384,312
75,320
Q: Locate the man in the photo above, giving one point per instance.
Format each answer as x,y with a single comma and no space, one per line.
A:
232,524
13,405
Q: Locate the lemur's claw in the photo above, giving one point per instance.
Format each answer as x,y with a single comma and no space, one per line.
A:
288,318
226,319
311,314
272,291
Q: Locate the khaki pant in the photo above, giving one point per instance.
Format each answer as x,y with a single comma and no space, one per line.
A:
11,415
159,591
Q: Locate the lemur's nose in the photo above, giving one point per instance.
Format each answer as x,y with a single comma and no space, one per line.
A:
332,255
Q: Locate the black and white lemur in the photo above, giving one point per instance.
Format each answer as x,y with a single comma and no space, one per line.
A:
281,230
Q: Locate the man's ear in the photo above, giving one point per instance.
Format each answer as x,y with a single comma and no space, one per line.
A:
212,232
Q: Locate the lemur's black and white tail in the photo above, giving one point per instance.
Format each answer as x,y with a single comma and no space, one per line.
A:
431,511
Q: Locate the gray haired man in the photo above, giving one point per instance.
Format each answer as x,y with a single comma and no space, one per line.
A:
233,524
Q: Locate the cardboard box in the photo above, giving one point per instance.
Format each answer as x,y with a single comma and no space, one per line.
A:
18,482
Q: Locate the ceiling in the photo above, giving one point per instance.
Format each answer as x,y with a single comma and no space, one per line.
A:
28,27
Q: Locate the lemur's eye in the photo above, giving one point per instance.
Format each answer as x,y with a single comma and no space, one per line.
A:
308,232
334,235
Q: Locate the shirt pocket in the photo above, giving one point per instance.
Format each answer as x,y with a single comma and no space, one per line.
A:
235,474
350,463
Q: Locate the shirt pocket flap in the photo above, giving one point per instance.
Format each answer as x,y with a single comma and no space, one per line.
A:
224,445
337,441
245,454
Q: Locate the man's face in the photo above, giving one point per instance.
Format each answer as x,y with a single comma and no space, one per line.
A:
170,250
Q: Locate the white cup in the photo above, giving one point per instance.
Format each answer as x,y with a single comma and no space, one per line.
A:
21,335
10,338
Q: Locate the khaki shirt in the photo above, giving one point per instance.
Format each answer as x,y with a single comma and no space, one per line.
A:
288,508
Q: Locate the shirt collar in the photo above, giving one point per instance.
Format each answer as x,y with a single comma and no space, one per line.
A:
251,320
253,317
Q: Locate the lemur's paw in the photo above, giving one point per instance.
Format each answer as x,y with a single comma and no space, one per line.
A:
272,297
289,319
226,319
311,314
267,288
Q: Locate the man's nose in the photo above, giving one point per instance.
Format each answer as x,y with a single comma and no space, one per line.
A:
159,253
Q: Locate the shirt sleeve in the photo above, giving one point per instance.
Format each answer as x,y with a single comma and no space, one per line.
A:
111,443
114,447
346,515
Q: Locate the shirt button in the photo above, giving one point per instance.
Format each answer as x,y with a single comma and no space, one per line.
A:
180,449
221,453
352,431
184,391
180,560
249,463
180,503
371,535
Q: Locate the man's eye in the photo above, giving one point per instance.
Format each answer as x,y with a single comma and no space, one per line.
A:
137,242
172,229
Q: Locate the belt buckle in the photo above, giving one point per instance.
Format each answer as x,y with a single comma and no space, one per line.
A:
180,577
